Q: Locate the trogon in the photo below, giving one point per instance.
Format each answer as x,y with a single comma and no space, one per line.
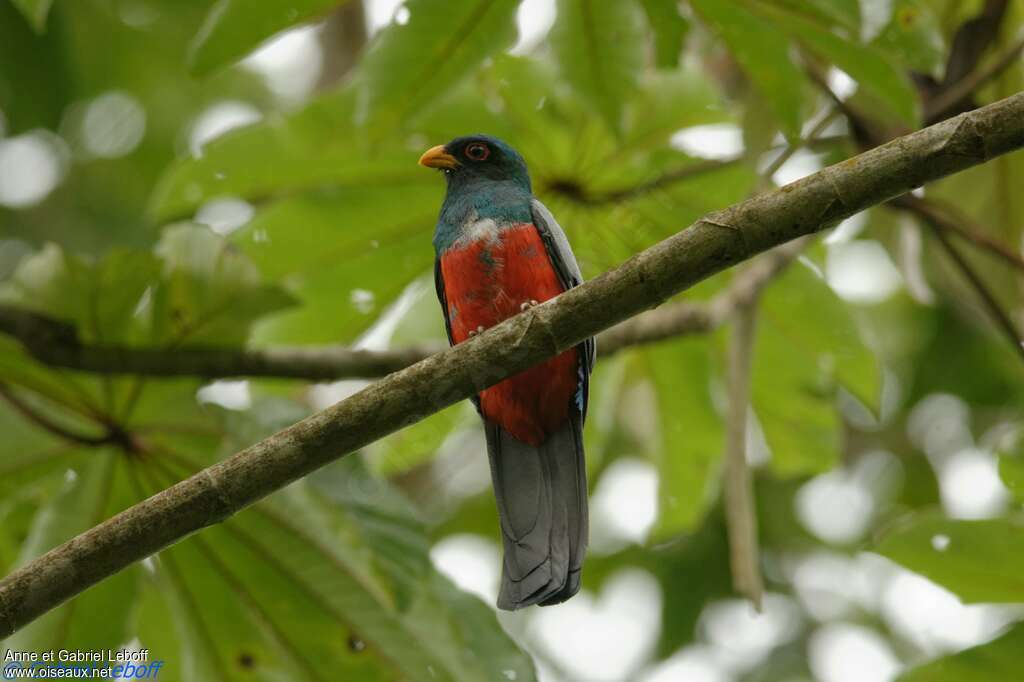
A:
499,252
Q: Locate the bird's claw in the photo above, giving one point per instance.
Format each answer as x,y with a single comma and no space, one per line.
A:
526,305
478,330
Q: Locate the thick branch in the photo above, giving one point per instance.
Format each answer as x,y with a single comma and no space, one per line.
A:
400,399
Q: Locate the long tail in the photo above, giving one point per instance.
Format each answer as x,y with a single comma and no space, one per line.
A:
542,503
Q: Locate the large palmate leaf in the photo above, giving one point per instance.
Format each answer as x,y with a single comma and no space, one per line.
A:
196,288
316,147
806,346
210,292
600,49
410,64
93,490
763,54
99,298
320,585
233,28
979,561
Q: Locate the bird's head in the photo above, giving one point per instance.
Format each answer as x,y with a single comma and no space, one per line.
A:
478,158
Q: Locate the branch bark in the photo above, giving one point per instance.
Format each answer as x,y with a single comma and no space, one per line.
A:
714,243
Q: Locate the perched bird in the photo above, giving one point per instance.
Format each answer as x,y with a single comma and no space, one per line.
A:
499,252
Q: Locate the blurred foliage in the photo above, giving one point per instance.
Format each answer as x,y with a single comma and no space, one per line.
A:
327,240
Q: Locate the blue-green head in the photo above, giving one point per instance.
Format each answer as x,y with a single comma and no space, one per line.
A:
486,178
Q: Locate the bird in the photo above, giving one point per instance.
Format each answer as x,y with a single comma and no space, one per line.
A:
499,252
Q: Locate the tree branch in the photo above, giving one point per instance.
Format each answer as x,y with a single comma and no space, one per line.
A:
52,342
988,299
714,243
740,511
947,217
572,190
972,40
947,99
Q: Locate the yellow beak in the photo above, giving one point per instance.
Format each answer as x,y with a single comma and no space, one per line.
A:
437,157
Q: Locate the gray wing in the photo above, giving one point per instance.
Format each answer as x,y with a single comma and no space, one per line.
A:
569,274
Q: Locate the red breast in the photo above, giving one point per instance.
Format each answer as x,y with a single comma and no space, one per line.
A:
486,281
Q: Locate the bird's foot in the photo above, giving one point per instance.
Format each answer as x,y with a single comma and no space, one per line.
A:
478,330
526,305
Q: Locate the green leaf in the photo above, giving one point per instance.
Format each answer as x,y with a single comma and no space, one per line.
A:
417,444
384,518
664,103
233,28
316,147
32,469
703,557
691,431
35,12
914,37
1000,659
841,13
409,65
300,584
979,561
669,28
343,300
211,292
764,56
883,82
99,298
339,226
98,618
599,47
807,345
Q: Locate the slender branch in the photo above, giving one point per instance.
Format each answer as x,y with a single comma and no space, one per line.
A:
572,190
988,299
792,149
947,217
331,363
972,40
342,39
946,99
678,319
316,364
714,243
740,512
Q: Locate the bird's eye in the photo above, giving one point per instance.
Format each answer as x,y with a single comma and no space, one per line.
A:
477,151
